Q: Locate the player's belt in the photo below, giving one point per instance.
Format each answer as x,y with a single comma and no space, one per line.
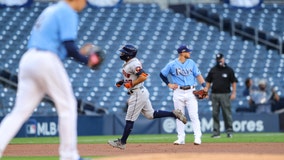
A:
132,90
186,87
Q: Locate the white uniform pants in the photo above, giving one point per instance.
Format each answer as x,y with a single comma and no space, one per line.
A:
41,73
185,99
139,102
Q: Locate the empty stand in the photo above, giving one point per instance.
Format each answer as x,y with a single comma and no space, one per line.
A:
157,33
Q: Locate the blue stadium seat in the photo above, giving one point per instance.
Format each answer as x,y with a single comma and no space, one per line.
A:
156,33
267,18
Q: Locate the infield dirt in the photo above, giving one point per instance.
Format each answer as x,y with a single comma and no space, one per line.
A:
161,151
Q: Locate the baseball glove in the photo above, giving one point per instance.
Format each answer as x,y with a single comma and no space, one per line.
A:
119,83
200,94
95,54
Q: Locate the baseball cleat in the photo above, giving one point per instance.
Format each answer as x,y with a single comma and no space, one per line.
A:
180,116
179,142
230,135
215,136
116,144
197,141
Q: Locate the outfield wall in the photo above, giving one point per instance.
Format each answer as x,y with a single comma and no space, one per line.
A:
114,124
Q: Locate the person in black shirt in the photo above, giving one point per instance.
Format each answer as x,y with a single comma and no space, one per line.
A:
222,78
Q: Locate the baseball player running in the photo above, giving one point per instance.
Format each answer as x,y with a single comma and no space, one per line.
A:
184,72
139,101
41,72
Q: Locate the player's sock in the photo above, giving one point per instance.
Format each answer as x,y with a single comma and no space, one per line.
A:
160,114
127,130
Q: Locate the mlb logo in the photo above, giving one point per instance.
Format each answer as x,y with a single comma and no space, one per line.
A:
31,129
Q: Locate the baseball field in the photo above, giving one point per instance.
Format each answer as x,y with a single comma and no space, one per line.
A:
244,146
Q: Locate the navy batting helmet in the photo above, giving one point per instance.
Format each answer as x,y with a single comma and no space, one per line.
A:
127,52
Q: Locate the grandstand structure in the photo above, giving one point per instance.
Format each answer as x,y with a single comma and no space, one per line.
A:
157,33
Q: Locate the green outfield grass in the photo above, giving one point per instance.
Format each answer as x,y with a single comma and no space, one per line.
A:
161,138
158,138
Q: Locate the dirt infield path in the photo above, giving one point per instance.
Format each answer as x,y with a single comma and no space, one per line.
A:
240,151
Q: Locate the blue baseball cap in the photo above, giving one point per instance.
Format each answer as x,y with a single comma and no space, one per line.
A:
183,48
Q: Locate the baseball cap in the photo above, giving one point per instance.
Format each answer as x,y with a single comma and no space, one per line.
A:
219,56
183,48
262,82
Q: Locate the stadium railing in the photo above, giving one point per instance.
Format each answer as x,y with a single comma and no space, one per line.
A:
250,33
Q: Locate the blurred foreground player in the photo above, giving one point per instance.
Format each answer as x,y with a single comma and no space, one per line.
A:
41,72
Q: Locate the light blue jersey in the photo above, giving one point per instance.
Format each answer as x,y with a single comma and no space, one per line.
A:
182,74
55,25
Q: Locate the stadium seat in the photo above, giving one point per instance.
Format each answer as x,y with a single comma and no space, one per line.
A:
156,33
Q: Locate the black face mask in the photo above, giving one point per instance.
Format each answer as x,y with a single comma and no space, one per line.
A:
262,87
220,64
124,58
